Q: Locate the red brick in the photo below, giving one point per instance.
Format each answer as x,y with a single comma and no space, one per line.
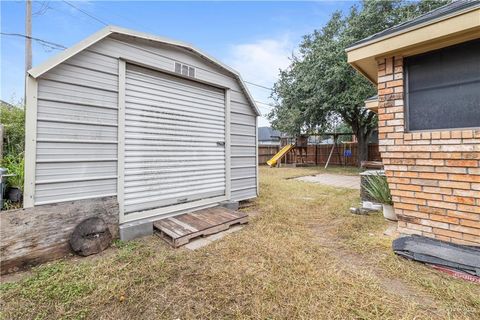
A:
467,208
458,199
463,215
467,134
462,163
446,155
429,162
406,206
465,177
456,134
463,229
409,187
473,238
429,175
395,83
441,204
454,184
433,223
448,233
414,201
425,182
466,193
445,219
419,227
406,174
416,214
429,196
432,210
472,224
438,190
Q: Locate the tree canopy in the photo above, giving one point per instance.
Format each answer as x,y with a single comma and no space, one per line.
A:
320,86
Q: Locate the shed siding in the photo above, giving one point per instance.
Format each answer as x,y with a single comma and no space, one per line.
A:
77,120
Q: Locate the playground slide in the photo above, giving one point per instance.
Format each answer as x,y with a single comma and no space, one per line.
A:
280,154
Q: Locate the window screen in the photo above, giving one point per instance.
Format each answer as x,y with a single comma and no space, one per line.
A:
443,88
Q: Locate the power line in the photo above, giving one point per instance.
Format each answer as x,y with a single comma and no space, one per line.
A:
104,23
86,13
266,105
52,45
258,85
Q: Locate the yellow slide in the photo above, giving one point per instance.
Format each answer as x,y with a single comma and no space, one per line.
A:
280,154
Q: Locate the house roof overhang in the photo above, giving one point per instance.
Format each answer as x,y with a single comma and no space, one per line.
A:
109,30
372,104
445,30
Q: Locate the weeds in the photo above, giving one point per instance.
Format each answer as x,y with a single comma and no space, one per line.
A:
302,256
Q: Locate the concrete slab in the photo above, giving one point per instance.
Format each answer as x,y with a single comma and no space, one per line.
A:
202,242
333,180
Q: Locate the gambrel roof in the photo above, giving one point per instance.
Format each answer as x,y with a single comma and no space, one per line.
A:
109,30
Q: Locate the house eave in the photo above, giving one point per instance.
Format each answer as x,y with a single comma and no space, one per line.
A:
451,30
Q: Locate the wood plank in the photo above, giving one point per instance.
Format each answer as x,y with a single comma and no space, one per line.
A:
180,229
42,233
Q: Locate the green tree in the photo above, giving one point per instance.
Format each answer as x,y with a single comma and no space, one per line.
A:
319,85
12,117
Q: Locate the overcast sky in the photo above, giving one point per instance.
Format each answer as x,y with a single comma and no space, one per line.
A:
255,38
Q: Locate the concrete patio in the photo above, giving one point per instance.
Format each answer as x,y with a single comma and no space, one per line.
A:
333,180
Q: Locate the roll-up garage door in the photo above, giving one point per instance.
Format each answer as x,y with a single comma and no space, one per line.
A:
174,140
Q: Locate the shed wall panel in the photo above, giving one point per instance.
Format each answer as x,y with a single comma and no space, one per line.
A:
77,116
147,183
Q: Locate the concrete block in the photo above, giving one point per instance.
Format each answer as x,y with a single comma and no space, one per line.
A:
134,230
232,205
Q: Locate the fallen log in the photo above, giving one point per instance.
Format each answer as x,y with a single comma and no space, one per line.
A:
36,235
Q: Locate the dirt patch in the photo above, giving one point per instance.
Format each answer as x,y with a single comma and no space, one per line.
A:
353,262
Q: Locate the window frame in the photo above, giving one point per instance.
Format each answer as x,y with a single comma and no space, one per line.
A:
406,101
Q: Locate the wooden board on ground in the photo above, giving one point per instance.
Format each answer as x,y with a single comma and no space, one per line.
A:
179,230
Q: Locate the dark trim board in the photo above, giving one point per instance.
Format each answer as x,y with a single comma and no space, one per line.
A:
179,230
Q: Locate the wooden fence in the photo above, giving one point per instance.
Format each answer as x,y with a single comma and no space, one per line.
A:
318,154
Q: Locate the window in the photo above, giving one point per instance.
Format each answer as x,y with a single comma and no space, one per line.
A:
443,88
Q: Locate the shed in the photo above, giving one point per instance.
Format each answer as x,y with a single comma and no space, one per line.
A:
156,123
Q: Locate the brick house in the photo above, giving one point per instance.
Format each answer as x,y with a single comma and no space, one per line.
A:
428,75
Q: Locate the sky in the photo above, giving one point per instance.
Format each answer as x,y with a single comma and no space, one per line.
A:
255,38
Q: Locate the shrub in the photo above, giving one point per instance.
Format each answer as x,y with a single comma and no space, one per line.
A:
13,120
15,166
377,187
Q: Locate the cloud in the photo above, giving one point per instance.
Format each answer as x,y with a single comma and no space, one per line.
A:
261,60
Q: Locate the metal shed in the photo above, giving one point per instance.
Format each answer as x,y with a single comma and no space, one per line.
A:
156,123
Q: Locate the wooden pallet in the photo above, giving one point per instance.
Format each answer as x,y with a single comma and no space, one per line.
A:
179,230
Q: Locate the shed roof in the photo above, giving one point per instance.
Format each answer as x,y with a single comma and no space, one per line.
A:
109,30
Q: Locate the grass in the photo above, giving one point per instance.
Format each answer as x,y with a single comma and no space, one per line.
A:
303,256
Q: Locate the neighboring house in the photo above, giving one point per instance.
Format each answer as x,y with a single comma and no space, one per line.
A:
428,75
268,136
152,124
6,104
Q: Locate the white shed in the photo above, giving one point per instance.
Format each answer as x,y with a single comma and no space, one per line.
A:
156,123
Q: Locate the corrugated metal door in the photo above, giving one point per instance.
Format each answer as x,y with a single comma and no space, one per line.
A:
174,140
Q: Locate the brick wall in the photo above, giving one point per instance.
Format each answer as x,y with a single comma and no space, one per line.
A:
434,176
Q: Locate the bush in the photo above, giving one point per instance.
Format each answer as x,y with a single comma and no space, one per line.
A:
377,187
15,166
13,120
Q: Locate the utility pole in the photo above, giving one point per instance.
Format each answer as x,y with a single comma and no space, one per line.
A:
28,44
28,33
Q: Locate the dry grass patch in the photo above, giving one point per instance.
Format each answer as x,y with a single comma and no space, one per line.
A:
302,256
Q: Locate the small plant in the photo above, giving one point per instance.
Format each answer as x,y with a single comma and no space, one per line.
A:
377,187
15,167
